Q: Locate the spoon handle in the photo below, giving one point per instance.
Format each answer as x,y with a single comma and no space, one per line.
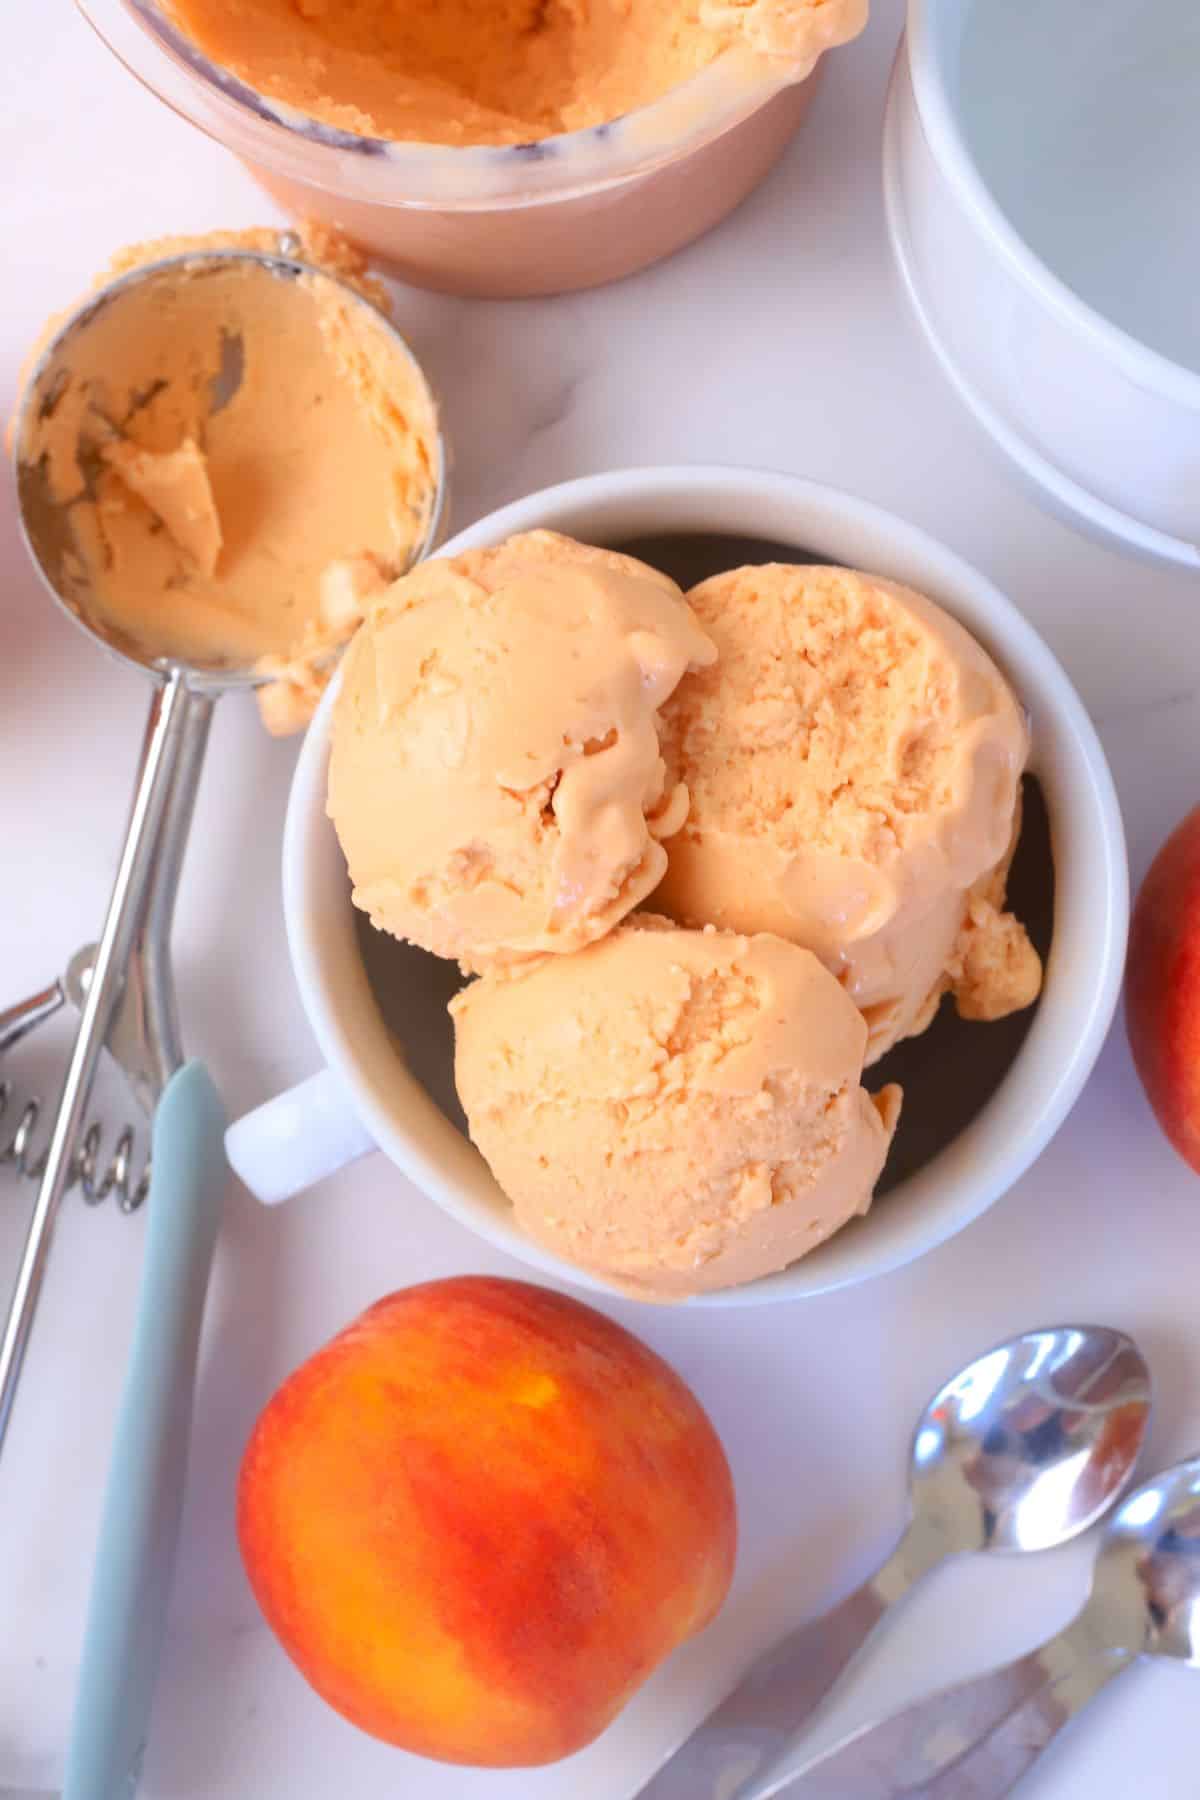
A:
742,1739
832,1647
971,1742
992,1767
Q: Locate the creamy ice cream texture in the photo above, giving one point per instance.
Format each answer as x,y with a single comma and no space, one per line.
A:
495,777
853,760
457,72
815,771
673,1111
246,456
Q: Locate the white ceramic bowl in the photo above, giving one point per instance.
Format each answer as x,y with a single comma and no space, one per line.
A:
1042,187
368,1096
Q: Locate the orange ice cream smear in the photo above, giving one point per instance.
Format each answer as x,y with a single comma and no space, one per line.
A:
674,1111
495,775
317,244
512,71
245,456
853,761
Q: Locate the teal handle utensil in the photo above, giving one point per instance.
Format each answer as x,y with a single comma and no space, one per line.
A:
143,1500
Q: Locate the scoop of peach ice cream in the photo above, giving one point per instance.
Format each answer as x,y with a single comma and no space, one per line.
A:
673,1111
854,760
495,776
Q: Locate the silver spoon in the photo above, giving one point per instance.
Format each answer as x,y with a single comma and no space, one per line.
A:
976,1741
1023,1450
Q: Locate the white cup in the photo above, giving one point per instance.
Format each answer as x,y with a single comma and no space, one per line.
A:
1040,174
369,1097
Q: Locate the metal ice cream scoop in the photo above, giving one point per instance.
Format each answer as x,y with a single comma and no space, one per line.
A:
127,1003
1025,1449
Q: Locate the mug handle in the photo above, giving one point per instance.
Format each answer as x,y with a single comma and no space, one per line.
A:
288,1143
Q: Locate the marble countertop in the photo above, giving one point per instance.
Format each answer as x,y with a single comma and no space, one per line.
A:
781,340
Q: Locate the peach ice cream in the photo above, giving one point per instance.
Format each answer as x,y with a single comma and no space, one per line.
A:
239,451
455,72
174,485
792,32
495,776
853,760
673,1111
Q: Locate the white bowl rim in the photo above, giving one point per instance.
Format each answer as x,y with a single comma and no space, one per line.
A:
1082,508
1110,905
925,47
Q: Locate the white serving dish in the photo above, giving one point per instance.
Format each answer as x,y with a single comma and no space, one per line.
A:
369,1097
1041,172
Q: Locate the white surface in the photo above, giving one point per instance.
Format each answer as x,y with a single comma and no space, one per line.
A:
1110,425
781,341
1090,900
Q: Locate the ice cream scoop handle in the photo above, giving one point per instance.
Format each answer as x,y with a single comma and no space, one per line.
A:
166,737
144,1498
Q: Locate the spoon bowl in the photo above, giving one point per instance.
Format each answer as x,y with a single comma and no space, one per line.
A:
1031,1443
1148,1573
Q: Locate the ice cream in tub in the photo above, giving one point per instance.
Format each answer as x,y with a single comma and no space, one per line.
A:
519,150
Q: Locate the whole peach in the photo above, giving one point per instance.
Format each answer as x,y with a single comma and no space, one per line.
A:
480,1516
1162,987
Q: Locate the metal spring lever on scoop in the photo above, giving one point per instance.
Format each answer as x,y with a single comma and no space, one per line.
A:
143,1034
176,734
96,1178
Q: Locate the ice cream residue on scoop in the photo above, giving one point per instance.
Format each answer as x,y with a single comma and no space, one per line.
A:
244,456
175,486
